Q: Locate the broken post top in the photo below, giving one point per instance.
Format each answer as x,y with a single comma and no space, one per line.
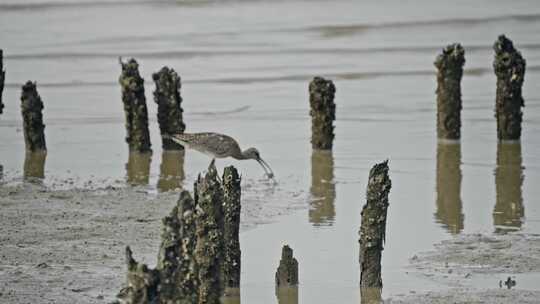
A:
287,272
286,253
167,97
130,68
167,80
31,107
452,56
379,183
30,99
508,63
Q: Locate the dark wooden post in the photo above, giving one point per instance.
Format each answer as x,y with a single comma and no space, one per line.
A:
167,96
138,136
373,227
323,113
509,67
231,233
34,129
449,72
209,249
2,79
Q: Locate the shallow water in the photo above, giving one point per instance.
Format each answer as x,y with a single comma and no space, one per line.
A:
245,67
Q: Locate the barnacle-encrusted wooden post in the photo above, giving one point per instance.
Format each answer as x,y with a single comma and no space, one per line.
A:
509,211
449,72
175,279
323,113
167,96
448,185
2,79
209,248
33,127
142,283
132,84
509,67
231,231
373,227
176,261
287,272
287,277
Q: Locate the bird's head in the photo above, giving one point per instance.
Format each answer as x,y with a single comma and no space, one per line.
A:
253,153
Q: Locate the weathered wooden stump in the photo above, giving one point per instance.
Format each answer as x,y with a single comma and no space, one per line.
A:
176,262
323,189
209,248
509,68
323,113
449,205
231,232
509,210
171,170
449,73
136,112
373,227
167,96
2,79
287,272
175,278
33,127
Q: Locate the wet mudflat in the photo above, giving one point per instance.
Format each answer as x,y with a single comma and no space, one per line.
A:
246,73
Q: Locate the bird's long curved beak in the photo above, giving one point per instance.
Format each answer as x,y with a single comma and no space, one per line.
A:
266,168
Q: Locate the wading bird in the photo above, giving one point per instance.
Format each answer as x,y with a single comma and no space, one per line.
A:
218,146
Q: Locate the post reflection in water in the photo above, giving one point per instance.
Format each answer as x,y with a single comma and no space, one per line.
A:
34,165
370,295
231,299
287,295
509,211
323,189
449,206
138,168
171,170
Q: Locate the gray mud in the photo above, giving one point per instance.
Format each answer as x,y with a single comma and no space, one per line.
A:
67,246
473,266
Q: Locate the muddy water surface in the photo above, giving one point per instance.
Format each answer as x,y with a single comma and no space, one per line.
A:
245,67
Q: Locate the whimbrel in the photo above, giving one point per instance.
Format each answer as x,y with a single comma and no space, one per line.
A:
219,146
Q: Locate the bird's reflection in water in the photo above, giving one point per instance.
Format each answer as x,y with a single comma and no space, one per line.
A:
449,206
370,295
509,211
287,295
323,189
138,168
34,166
171,170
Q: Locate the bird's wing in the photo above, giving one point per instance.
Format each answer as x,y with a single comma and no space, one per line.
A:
215,144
